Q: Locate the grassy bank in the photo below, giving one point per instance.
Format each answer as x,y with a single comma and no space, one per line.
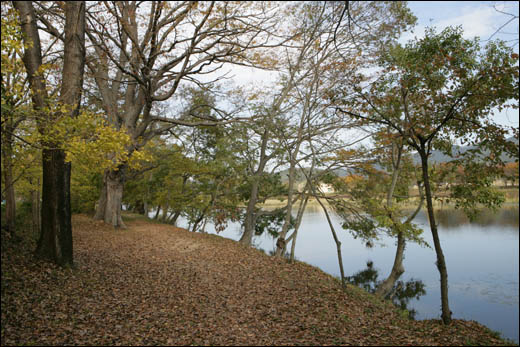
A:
155,284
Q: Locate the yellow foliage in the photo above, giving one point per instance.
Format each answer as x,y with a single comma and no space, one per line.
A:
90,142
353,179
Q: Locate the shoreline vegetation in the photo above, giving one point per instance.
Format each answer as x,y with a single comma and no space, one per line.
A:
511,197
157,284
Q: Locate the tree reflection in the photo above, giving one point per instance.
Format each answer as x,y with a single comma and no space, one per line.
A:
452,218
401,293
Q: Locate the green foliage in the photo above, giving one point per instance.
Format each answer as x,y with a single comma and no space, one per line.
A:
201,177
272,223
475,190
85,187
368,212
441,89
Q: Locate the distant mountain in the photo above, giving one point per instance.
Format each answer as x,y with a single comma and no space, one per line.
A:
436,157
439,157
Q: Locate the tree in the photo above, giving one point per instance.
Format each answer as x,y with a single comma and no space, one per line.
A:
438,90
55,242
322,44
14,96
376,194
511,173
134,72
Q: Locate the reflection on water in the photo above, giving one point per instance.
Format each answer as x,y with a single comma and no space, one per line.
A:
451,218
401,293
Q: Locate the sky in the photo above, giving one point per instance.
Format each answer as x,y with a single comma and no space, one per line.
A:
477,18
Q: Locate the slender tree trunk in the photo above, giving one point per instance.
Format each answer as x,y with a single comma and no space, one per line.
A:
301,210
7,170
102,202
336,240
249,221
173,219
281,243
166,208
250,217
441,263
111,199
164,216
35,208
145,208
397,269
199,219
203,213
157,212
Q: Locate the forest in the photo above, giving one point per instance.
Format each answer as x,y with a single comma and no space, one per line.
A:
117,114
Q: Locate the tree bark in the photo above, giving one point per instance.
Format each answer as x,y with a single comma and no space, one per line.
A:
111,198
55,242
157,212
397,269
301,210
441,263
336,240
7,170
164,218
250,217
281,243
35,208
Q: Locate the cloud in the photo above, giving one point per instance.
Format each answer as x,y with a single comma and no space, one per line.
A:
480,20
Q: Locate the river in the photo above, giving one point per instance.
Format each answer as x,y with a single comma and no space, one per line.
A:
482,260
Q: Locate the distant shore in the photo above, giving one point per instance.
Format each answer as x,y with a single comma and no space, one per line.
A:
511,195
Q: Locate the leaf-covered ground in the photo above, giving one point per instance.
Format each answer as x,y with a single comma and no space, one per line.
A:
154,284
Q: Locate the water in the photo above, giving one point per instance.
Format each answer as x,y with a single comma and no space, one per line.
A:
482,260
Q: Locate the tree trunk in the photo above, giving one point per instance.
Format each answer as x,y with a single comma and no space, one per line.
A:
336,240
441,263
35,208
249,222
281,243
166,208
301,210
55,242
157,212
110,201
175,216
250,217
145,208
7,170
397,269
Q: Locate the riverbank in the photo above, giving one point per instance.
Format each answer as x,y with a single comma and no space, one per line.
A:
511,194
157,284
